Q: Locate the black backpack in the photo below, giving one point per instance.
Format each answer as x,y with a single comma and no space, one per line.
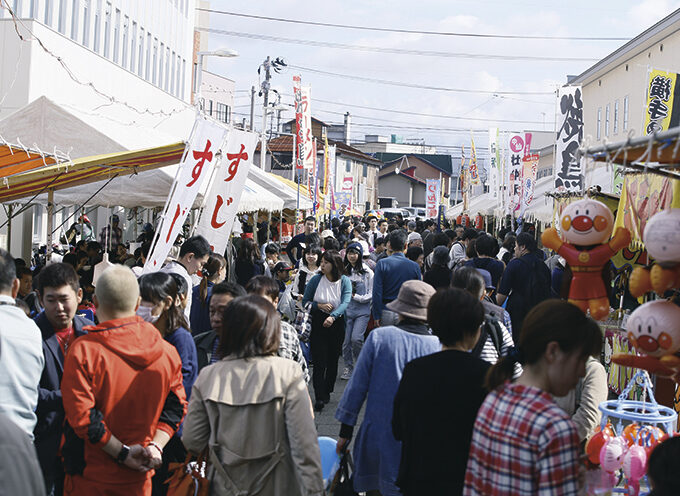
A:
490,327
539,283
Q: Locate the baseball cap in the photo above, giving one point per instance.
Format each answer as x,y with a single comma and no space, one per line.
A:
280,266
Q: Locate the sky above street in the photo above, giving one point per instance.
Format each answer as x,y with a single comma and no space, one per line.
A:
519,76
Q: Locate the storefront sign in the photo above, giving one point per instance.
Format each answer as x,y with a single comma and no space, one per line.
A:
662,108
432,195
568,173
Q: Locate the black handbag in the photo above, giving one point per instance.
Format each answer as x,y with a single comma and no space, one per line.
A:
342,484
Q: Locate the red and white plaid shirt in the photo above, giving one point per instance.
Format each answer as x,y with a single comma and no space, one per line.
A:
522,444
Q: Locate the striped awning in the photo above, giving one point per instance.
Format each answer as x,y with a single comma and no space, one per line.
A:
24,178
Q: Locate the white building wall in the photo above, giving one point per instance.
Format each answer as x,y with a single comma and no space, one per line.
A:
116,28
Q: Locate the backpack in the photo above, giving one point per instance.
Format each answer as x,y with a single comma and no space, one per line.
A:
491,327
539,283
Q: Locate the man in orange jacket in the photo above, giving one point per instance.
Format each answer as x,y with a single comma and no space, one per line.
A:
122,393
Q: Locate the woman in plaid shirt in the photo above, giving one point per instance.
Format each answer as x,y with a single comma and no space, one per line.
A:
523,443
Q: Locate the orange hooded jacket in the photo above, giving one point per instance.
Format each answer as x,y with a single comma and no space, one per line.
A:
121,378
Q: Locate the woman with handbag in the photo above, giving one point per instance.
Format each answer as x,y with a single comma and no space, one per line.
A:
330,293
252,413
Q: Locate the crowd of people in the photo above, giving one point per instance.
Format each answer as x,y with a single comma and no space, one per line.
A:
475,375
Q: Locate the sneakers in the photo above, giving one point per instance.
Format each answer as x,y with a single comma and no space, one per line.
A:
346,374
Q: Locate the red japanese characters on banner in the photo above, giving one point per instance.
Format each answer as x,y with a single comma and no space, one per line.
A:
299,124
197,164
221,205
432,194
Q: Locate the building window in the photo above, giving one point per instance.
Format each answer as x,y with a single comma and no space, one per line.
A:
599,123
178,84
147,73
107,30
221,112
48,12
34,9
133,47
62,16
184,71
86,23
97,34
172,79
116,36
161,54
616,117
210,107
166,84
17,8
74,20
126,27
140,55
155,61
348,166
606,121
365,170
625,113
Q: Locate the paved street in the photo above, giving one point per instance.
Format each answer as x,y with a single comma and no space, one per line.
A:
326,425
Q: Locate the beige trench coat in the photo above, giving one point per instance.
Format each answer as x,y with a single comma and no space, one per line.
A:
256,416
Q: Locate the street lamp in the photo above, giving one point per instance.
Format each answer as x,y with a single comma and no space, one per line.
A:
222,52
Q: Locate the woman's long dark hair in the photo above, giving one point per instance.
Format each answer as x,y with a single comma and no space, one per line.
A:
157,286
211,268
551,320
248,250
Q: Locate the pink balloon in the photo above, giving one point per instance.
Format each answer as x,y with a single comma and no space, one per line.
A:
611,454
635,462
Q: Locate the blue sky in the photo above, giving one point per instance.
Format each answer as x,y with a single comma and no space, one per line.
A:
548,18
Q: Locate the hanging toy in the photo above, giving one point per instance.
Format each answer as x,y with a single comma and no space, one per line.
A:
634,468
630,433
586,227
611,459
654,330
662,240
597,441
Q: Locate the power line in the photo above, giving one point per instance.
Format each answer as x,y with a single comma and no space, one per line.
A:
400,51
417,86
413,31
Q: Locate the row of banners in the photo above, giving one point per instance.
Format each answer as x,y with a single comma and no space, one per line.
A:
216,154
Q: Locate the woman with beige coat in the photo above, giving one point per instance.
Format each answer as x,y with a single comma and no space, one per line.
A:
252,410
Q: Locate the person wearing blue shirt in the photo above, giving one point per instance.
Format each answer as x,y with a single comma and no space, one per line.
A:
390,273
295,246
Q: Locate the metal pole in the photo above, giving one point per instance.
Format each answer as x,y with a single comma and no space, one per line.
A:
9,227
199,80
265,91
269,225
50,221
252,106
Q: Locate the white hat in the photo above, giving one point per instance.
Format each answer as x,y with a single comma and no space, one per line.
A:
413,237
327,234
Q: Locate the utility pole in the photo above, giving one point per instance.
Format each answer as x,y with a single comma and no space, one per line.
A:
265,93
252,106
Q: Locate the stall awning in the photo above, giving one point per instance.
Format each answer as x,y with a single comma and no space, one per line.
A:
16,159
65,174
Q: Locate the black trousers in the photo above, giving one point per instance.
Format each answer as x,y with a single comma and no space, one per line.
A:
325,345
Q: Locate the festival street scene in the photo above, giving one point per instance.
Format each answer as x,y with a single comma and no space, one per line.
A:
347,248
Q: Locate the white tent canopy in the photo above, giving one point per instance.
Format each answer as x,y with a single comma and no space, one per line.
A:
485,204
280,189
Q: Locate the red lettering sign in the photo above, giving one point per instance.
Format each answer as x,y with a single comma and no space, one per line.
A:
218,205
201,157
172,225
236,160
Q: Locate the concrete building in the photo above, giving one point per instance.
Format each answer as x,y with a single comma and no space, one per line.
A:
615,88
120,69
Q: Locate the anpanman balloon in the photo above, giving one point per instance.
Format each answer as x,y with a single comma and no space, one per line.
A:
586,226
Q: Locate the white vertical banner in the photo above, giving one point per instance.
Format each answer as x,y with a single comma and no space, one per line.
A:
221,206
196,165
516,152
494,164
432,196
568,173
309,157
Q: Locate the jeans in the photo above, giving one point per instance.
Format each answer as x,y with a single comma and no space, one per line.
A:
326,345
354,337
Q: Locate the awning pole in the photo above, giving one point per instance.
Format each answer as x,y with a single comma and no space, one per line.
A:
269,225
9,227
50,221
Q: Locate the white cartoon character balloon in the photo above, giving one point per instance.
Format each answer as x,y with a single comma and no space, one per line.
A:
586,222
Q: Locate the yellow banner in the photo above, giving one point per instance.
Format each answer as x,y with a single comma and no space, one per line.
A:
642,196
660,97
